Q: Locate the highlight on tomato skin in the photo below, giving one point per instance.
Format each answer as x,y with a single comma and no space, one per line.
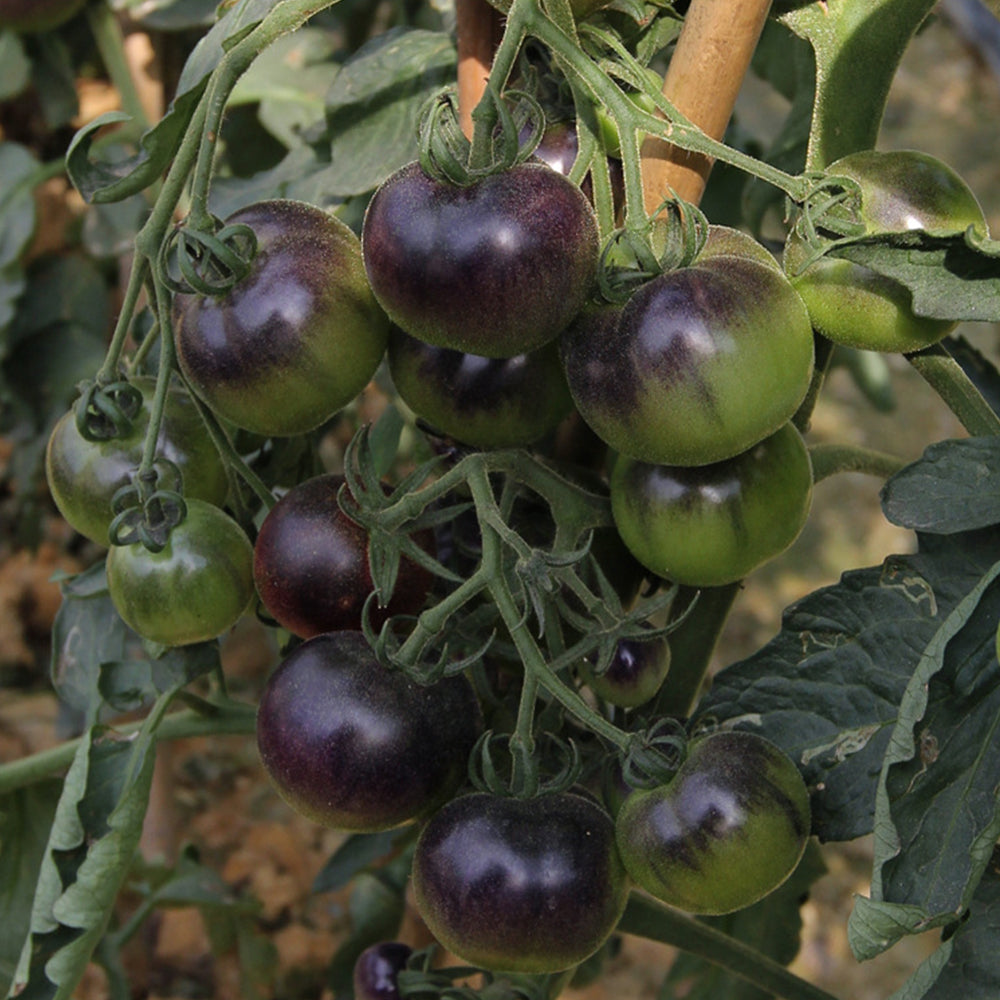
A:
726,830
376,969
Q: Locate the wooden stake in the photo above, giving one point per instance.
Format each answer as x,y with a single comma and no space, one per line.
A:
478,27
704,76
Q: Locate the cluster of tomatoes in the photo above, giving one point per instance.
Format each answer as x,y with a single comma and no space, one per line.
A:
480,299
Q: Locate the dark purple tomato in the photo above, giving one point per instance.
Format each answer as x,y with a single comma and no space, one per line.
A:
726,830
311,564
376,969
636,672
357,747
483,402
496,268
699,365
520,885
84,475
37,15
296,339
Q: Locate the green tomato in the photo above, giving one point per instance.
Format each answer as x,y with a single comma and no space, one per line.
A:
852,305
608,131
194,589
726,830
84,475
711,525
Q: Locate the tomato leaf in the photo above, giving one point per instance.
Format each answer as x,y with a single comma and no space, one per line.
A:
949,276
936,813
955,486
374,103
827,689
356,853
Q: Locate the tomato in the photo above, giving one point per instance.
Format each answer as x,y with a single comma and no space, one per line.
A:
520,885
726,830
496,268
355,746
193,590
636,672
311,564
710,525
483,402
296,339
724,241
854,306
37,15
698,365
376,968
84,475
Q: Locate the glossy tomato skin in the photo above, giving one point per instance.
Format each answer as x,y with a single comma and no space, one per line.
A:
483,402
728,828
84,475
357,747
376,969
698,365
296,339
520,885
193,590
636,672
37,15
707,526
497,268
311,564
852,305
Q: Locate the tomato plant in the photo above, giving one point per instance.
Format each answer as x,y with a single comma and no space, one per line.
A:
727,829
37,15
357,747
509,884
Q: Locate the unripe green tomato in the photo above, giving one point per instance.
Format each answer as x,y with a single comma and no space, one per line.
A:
36,15
84,475
194,589
725,241
706,526
853,305
725,831
610,139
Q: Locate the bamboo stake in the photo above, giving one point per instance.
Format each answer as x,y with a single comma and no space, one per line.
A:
478,27
704,76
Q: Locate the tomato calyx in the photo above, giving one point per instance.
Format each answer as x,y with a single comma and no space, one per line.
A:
653,755
105,411
210,260
145,514
506,765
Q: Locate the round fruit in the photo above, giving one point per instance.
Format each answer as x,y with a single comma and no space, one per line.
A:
636,672
194,589
483,402
724,241
711,525
854,306
376,969
496,268
698,365
520,885
311,564
729,827
84,475
357,747
37,15
296,339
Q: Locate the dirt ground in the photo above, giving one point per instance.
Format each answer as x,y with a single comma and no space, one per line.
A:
213,794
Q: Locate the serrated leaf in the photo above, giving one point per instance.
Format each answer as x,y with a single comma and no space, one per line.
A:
374,103
25,820
954,486
949,278
827,688
936,815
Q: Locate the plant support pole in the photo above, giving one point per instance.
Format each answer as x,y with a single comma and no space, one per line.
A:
704,76
478,27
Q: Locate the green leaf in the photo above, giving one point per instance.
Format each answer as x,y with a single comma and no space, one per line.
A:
772,927
53,73
949,277
25,820
15,67
827,689
936,814
355,854
18,169
375,101
982,372
169,15
94,835
954,486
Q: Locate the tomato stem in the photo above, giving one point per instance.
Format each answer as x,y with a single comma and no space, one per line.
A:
947,378
830,459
